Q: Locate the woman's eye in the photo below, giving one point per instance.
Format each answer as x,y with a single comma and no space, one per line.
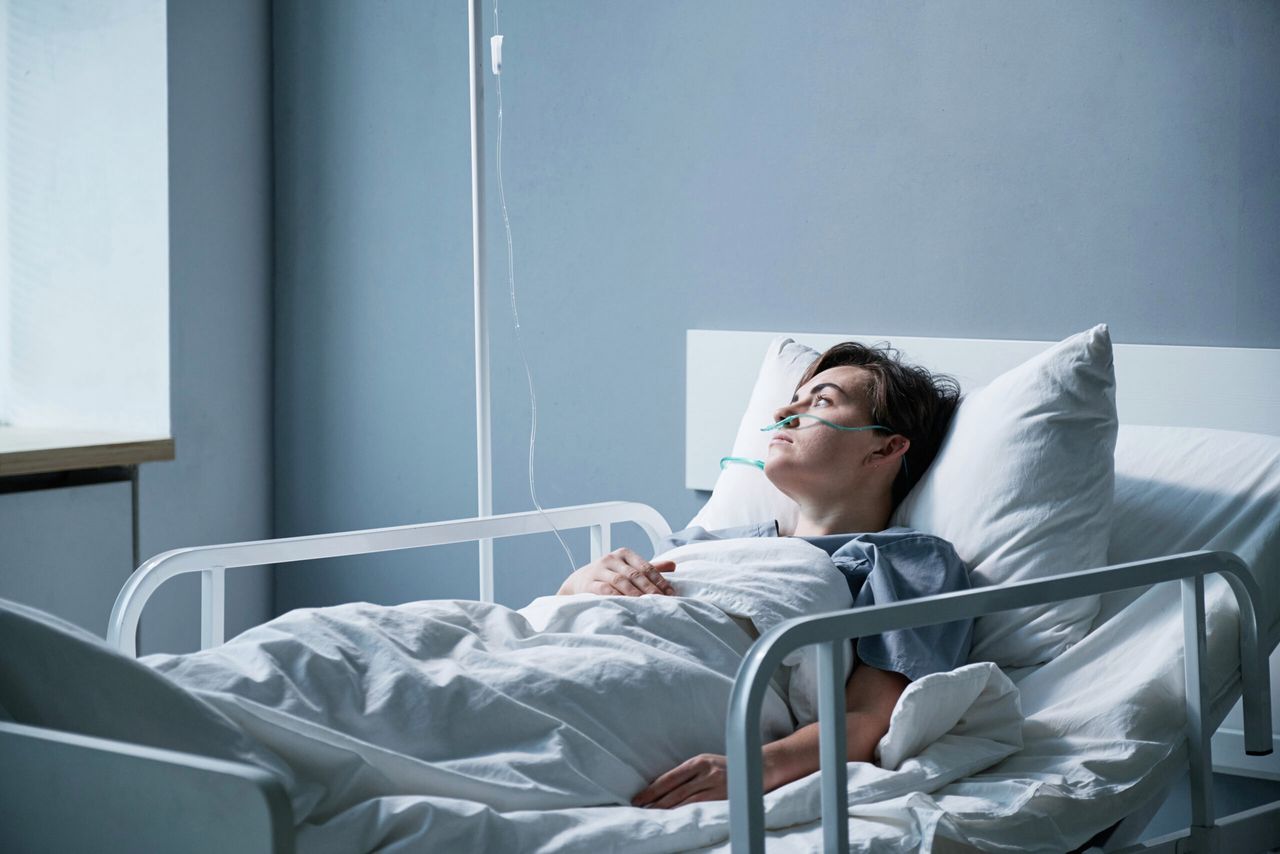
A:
818,400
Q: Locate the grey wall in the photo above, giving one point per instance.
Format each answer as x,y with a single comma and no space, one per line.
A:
985,169
68,551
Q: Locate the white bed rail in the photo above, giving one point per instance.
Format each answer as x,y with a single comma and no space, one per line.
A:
829,632
62,791
212,561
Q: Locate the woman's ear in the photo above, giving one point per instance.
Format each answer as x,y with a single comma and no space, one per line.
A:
894,448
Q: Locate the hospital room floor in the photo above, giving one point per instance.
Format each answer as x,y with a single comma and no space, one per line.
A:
1231,794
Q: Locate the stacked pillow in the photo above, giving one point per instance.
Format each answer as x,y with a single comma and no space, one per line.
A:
1022,486
1182,489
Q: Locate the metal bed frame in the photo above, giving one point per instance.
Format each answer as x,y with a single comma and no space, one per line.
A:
127,797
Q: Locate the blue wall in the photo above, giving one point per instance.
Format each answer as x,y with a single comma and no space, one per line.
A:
219,487
69,551
373,360
985,169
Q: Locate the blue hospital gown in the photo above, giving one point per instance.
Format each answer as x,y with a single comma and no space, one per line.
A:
881,567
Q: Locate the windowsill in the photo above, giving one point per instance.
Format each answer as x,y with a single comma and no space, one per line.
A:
41,450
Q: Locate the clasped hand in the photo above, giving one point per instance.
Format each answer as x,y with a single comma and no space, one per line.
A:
622,572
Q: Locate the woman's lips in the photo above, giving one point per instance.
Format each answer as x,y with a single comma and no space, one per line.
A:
776,439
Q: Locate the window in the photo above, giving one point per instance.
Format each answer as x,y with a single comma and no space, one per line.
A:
84,247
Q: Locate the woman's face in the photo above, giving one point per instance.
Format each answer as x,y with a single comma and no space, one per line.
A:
808,460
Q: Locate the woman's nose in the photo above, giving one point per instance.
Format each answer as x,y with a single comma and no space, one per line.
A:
781,413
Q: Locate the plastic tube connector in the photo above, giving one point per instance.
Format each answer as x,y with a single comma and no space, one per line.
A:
495,54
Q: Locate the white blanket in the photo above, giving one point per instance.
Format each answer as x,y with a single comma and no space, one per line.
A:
468,726
1104,732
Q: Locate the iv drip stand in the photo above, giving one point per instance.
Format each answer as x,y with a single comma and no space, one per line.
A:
484,442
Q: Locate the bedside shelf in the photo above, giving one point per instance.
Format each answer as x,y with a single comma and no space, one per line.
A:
36,450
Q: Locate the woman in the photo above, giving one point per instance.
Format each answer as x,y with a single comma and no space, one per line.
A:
859,432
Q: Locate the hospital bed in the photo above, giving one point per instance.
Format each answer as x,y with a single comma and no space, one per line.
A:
63,791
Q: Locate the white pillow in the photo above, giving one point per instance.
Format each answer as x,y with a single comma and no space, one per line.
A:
1180,489
742,494
1023,488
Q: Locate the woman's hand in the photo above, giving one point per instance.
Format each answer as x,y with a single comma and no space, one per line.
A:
705,777
622,572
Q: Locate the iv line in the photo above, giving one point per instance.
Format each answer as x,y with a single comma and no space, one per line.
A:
496,46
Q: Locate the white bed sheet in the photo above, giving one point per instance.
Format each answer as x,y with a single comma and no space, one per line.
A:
1104,721
988,729
1103,734
583,714
465,726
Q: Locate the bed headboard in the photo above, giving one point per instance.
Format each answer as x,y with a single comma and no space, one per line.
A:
1230,388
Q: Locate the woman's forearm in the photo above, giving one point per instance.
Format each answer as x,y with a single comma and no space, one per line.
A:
797,755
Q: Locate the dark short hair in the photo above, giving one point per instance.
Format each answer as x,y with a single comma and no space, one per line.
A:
905,398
